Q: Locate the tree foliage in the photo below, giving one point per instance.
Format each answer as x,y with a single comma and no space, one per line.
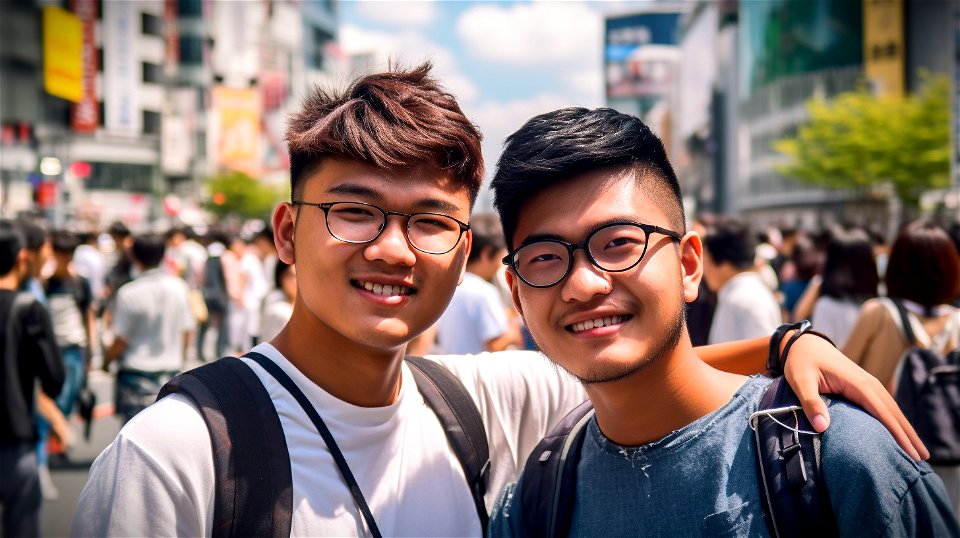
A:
858,139
237,194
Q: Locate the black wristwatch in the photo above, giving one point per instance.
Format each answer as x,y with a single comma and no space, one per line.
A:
776,360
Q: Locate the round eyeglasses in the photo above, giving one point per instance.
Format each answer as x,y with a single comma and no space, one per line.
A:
613,248
358,222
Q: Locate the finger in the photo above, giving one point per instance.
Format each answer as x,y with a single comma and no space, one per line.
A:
877,401
808,389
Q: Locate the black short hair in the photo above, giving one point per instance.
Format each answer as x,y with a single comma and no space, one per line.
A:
64,241
118,229
487,235
34,236
279,270
850,269
11,243
559,145
148,249
731,239
924,266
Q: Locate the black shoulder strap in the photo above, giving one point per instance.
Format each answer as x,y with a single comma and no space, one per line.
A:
795,498
905,321
549,477
461,421
254,493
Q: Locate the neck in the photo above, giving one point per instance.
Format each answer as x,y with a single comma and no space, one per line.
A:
352,372
10,281
670,393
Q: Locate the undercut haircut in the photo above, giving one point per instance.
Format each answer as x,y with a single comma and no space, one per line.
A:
64,242
393,120
554,147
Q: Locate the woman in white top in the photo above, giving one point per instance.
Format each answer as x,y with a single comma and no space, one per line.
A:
849,278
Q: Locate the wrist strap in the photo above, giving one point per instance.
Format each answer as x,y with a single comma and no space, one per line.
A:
281,377
776,360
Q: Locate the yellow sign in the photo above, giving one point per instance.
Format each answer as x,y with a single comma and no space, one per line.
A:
239,134
62,54
883,46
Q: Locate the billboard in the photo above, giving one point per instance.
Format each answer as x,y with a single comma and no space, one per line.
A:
883,46
640,54
121,69
85,113
238,128
62,54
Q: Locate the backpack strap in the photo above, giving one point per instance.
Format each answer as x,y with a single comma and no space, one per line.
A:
795,498
462,423
550,476
254,493
905,322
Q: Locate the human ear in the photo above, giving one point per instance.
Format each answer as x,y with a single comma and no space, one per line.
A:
284,218
691,265
513,284
467,245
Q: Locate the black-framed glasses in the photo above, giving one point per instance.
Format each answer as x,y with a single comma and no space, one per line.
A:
613,248
359,222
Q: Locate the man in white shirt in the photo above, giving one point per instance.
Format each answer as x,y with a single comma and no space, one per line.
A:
383,178
746,308
153,324
476,319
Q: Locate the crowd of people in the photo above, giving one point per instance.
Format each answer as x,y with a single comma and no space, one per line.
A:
376,256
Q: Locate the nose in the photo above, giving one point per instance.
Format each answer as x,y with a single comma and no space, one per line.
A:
585,280
391,246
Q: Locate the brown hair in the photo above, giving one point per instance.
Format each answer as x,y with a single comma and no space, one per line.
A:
924,266
392,120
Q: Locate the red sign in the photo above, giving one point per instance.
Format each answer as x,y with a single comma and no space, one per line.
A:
86,112
171,37
47,194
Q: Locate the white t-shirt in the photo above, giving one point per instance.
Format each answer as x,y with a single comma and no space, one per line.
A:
746,309
157,478
275,316
835,318
152,315
475,315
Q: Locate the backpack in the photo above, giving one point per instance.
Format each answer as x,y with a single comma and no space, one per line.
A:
927,389
254,494
214,286
792,486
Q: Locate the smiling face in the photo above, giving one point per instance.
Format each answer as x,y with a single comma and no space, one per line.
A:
378,294
598,325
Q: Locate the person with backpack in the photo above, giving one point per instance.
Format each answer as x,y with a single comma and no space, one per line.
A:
28,355
327,429
600,266
922,281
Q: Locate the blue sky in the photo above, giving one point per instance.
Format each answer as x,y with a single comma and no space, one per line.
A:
505,61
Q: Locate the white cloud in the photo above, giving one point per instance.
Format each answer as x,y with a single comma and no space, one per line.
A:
406,13
409,48
541,33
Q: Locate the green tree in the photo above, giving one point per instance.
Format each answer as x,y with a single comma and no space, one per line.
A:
858,139
237,194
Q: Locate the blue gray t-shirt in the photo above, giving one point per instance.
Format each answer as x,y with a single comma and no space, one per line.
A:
702,480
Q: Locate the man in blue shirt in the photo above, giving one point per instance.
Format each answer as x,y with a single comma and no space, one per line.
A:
600,265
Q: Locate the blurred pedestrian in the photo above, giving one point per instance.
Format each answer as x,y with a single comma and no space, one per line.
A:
70,300
923,275
699,312
29,354
476,319
153,323
89,262
278,304
803,265
849,278
214,290
746,308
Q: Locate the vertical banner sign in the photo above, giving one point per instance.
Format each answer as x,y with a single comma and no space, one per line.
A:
62,54
239,120
121,69
883,46
85,113
172,37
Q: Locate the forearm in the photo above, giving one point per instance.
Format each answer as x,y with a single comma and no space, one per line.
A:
741,357
116,349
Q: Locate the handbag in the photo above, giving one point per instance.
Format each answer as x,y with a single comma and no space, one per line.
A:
198,306
86,401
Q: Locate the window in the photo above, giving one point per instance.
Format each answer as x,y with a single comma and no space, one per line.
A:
151,24
151,122
191,50
152,73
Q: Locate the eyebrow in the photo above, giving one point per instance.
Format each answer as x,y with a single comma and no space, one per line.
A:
554,237
353,189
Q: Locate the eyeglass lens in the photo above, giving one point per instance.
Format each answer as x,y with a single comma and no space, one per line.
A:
614,248
359,223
